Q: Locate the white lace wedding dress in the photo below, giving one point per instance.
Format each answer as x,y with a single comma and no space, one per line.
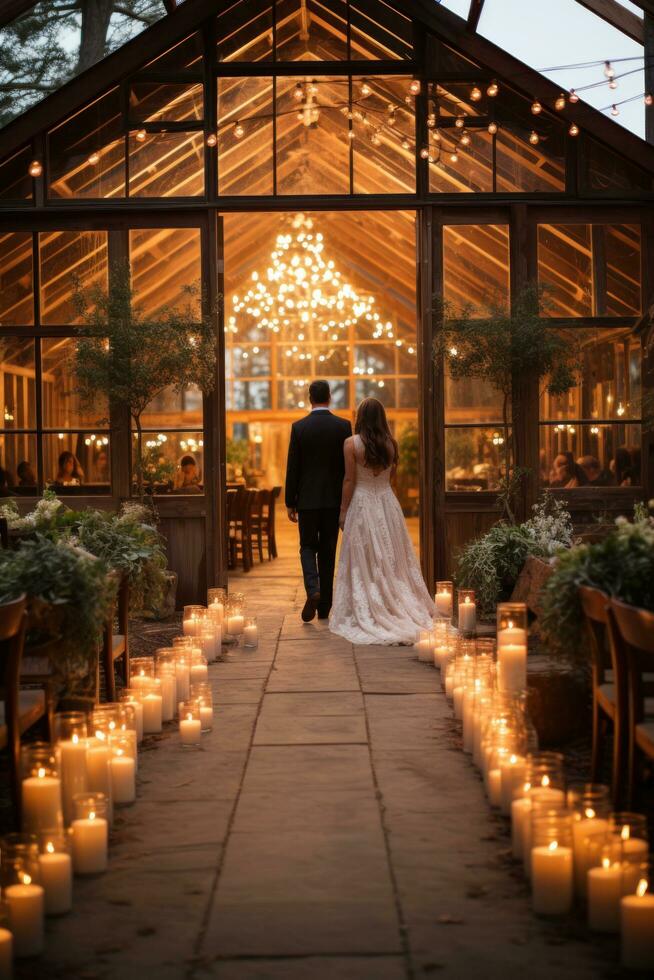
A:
380,595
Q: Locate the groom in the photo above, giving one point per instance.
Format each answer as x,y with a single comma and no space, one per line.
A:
314,483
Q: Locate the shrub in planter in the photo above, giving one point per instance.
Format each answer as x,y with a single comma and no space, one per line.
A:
69,598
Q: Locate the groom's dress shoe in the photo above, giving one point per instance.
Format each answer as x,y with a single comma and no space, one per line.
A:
310,607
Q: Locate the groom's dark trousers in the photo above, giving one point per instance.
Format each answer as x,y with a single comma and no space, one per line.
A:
314,485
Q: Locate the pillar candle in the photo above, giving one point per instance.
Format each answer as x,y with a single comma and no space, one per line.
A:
98,755
206,717
235,624
72,754
512,667
552,879
199,674
604,894
138,717
190,730
89,844
56,870
467,615
444,604
468,719
495,787
511,636
588,840
208,644
631,853
251,636
513,776
520,816
26,909
123,779
457,700
6,954
191,626
441,655
182,674
168,696
423,649
42,803
152,705
637,929
216,612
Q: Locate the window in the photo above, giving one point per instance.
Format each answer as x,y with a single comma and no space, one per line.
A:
69,259
245,136
591,436
166,271
16,279
383,131
166,164
87,152
15,181
476,265
605,170
312,146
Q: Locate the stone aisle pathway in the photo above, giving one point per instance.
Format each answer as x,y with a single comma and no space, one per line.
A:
329,829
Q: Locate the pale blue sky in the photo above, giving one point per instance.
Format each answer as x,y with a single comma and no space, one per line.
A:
562,32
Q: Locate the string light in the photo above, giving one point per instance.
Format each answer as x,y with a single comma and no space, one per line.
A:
35,168
574,129
460,122
465,138
560,103
536,108
424,152
298,92
534,138
492,89
492,128
613,83
475,93
212,139
431,120
609,70
238,130
414,87
572,96
140,135
406,145
454,157
94,158
365,89
615,111
648,99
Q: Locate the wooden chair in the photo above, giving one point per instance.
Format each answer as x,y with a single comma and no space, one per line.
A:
21,709
272,539
259,520
240,541
633,632
610,702
115,646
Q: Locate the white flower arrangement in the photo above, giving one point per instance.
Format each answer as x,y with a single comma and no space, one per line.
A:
44,514
550,528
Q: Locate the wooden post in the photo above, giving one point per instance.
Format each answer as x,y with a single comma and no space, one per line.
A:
648,51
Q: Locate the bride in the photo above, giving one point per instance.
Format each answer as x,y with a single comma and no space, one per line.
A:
380,595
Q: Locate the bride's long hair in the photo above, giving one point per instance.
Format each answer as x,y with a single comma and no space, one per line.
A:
379,446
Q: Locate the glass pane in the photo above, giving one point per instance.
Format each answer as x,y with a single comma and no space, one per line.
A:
312,136
166,164
249,361
476,265
69,259
454,100
245,142
474,458
623,278
61,405
565,268
15,181
445,60
379,32
77,462
523,165
248,395
311,30
384,128
87,152
17,374
461,166
17,465
16,279
606,170
165,101
610,377
173,462
594,454
293,395
165,263
245,31
376,388
471,400
184,56
172,409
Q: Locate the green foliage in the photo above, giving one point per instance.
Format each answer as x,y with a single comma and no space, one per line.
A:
132,358
622,565
156,468
492,563
237,452
409,452
69,598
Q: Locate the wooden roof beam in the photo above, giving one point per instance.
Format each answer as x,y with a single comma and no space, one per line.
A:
474,13
617,16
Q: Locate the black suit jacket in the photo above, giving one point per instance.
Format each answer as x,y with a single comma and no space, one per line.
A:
315,467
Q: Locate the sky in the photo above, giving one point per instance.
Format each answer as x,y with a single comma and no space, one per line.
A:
562,32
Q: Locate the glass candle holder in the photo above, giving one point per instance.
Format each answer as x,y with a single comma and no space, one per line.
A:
190,723
6,942
235,614
251,633
440,643
637,925
512,646
41,788
192,619
123,771
70,732
127,729
132,698
90,834
23,893
466,611
199,670
209,639
216,602
423,646
98,754
182,641
629,847
183,658
141,672
544,780
464,667
56,872
443,600
590,804
165,671
104,718
551,859
201,692
152,704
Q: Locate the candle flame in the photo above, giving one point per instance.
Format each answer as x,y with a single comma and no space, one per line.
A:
606,863
553,845
100,735
467,600
92,815
545,781
513,760
112,724
510,624
189,717
41,773
120,752
75,739
49,847
625,832
27,880
642,887
590,813
527,787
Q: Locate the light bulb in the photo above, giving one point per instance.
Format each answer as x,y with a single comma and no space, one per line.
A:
460,122
615,111
431,120
454,156
350,134
406,145
560,103
492,128
365,89
648,99
465,138
238,130
374,139
475,93
534,138
613,83
572,96
298,92
536,108
574,129
212,139
414,87
35,168
492,89
140,135
424,153
609,71
94,157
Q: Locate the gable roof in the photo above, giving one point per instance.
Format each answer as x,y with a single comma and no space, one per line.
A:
188,16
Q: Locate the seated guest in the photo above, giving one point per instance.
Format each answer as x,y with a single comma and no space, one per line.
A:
625,466
186,477
595,475
565,474
6,483
69,471
25,474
